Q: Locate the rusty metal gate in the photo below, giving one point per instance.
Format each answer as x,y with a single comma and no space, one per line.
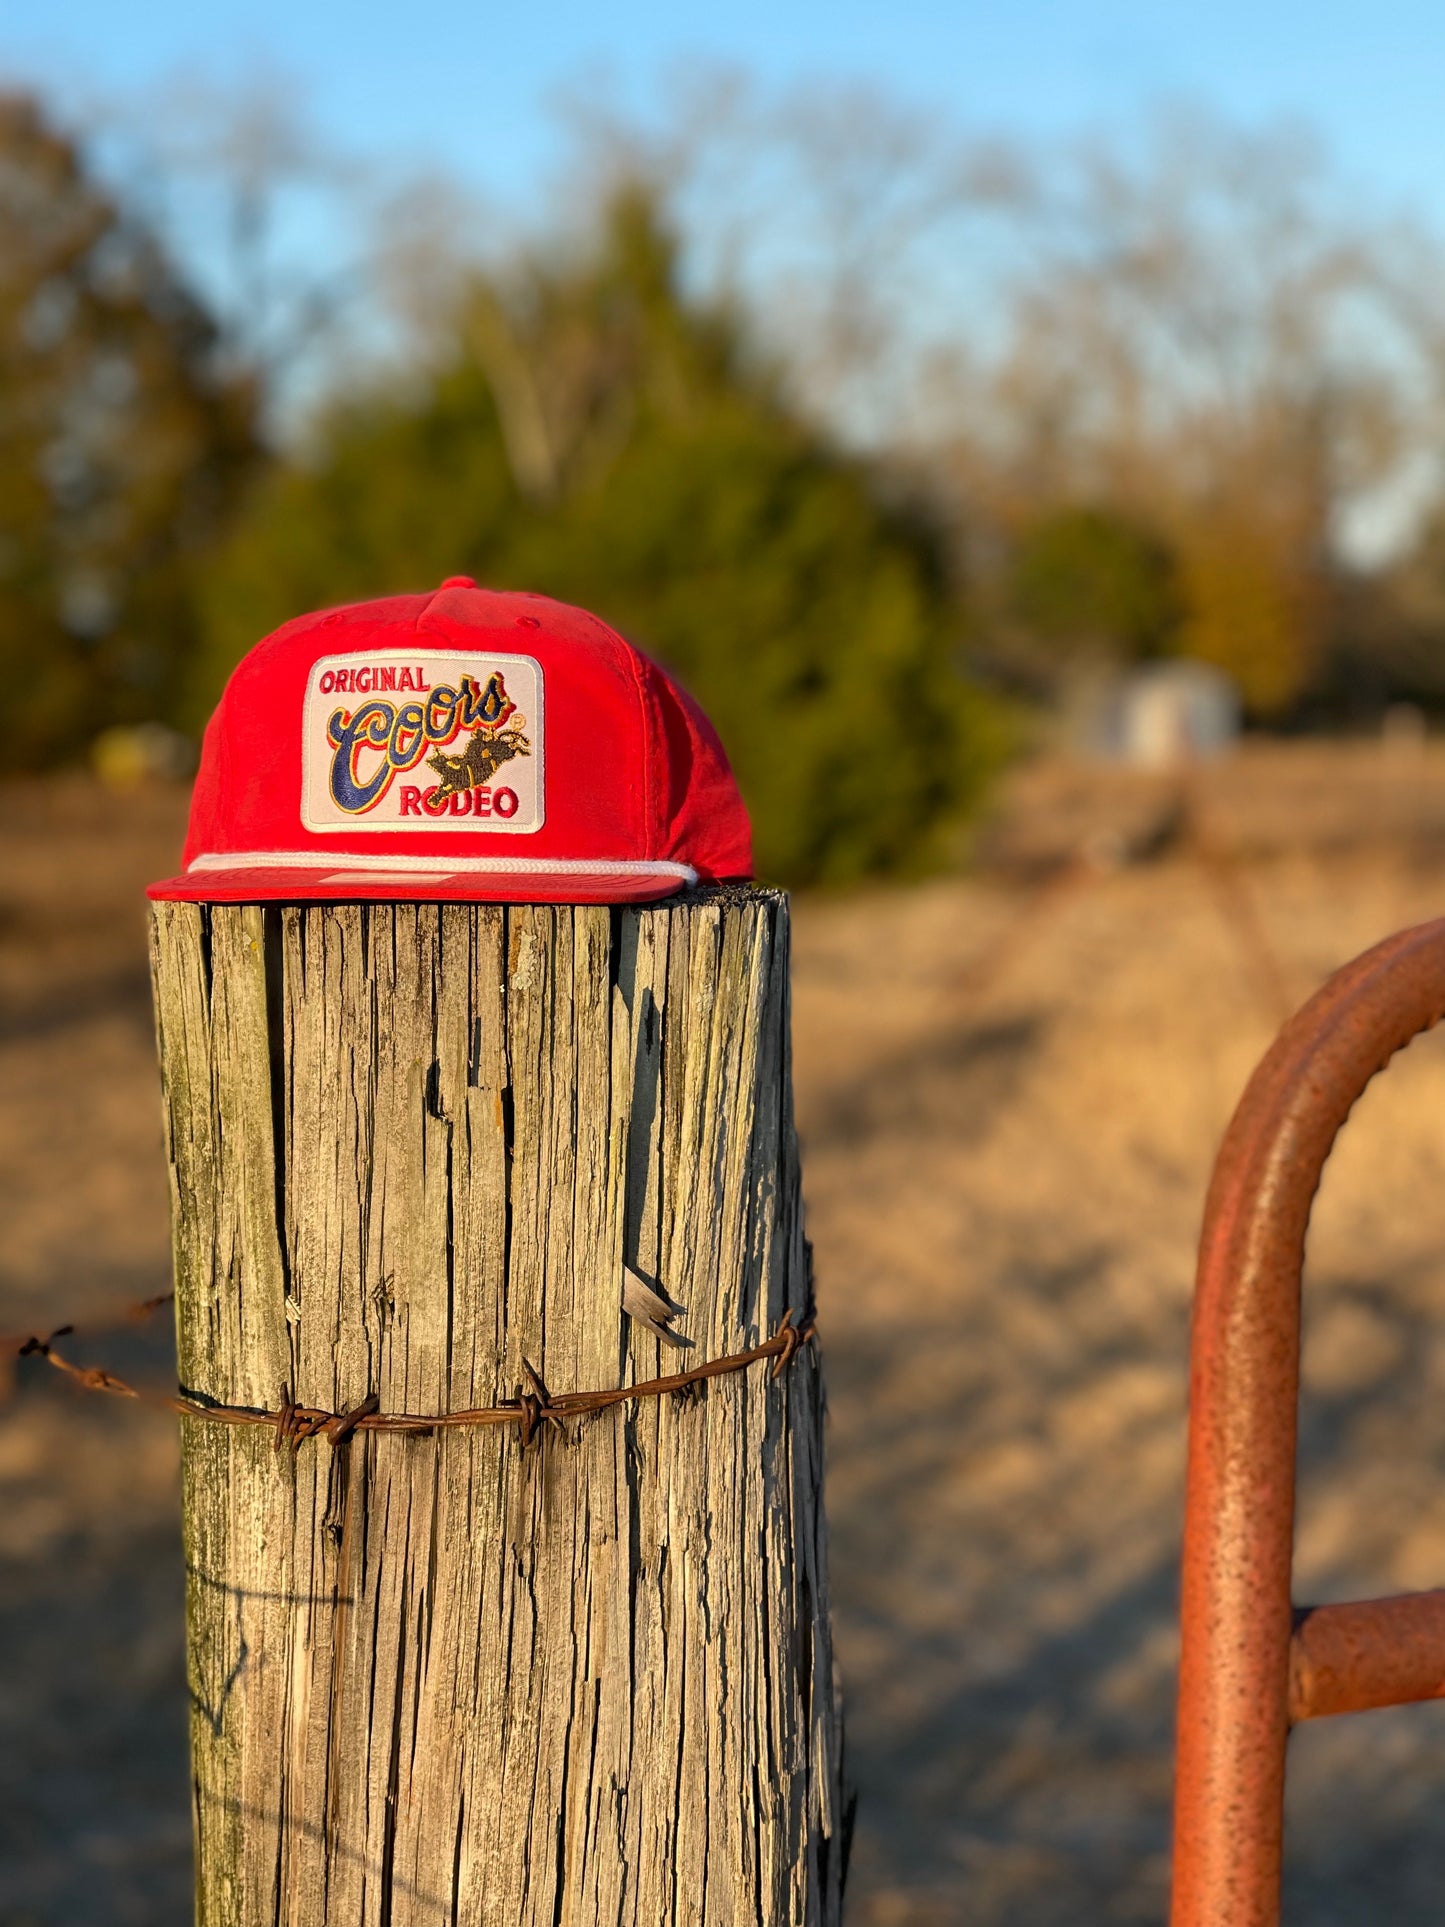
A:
1252,1663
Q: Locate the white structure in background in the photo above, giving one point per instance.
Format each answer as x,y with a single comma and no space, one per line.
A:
1165,715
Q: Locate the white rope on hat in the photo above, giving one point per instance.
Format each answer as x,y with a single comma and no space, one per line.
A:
411,865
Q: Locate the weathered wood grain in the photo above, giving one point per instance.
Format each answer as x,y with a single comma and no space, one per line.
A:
444,1679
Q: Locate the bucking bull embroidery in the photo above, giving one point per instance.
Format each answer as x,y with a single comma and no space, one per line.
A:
485,753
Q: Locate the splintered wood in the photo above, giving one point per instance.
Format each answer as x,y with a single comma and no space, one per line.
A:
446,1678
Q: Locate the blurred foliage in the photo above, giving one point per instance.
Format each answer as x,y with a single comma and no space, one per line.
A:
1206,337
1092,585
1144,432
1254,607
588,431
1089,581
1409,643
121,447
1390,645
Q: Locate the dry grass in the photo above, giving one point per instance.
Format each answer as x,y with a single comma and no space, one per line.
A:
1009,1116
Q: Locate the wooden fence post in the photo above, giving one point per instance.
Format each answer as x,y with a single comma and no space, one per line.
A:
452,1677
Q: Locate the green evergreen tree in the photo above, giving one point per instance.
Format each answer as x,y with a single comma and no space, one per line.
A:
122,443
1090,581
593,434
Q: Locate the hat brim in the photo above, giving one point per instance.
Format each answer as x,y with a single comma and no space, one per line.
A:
334,883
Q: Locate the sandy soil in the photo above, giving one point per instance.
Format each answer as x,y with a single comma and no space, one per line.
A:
1010,1090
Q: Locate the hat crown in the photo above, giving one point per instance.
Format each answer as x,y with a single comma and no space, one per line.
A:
469,743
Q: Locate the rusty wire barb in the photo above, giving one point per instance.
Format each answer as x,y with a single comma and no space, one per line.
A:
531,1411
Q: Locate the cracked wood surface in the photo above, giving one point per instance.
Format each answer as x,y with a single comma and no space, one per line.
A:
444,1679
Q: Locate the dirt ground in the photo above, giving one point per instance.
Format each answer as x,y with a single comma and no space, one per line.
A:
1010,1088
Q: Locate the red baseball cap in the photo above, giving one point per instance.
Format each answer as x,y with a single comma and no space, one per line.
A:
464,745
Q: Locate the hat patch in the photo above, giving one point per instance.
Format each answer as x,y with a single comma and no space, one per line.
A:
395,740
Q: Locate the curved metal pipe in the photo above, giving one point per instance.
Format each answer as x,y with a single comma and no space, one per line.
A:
1236,1613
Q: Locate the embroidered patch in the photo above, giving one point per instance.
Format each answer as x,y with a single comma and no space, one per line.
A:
399,740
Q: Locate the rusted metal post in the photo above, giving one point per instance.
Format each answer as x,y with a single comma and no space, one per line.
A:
1244,1672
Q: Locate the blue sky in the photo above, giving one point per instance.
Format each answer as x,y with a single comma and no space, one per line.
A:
473,90
471,87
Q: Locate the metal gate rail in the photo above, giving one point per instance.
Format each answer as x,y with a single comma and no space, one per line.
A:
1251,1664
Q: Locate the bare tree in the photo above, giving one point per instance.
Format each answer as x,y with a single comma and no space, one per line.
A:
279,226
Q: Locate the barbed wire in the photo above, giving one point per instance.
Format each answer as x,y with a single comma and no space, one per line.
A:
530,1410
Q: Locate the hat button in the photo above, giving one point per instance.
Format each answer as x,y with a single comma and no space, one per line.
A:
459,582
